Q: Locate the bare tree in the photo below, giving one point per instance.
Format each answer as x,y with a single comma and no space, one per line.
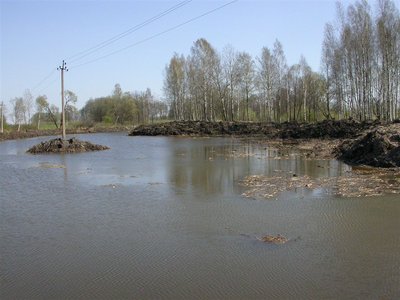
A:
388,35
267,82
230,61
174,86
281,67
203,57
18,111
246,75
28,102
69,105
41,105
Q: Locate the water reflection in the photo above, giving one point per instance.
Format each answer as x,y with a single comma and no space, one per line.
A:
217,166
176,226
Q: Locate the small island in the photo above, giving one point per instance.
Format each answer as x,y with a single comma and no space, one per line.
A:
59,145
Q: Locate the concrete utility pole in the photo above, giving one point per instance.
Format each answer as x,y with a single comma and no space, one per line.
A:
2,121
62,68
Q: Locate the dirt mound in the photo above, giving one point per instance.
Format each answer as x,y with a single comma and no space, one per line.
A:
203,128
59,145
288,130
325,129
378,148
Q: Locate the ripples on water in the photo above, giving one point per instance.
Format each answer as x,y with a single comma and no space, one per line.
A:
163,218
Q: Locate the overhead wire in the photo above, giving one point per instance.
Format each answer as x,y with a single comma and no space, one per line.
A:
155,35
82,54
103,44
111,40
43,80
48,85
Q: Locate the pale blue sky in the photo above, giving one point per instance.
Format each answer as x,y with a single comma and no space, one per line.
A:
37,35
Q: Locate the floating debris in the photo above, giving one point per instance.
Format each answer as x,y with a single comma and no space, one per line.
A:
360,182
273,239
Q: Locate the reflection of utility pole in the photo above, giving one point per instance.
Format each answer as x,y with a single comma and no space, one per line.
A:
62,68
2,122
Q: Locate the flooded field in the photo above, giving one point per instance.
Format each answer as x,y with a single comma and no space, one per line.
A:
171,218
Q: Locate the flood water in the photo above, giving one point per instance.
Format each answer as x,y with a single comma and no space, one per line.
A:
164,218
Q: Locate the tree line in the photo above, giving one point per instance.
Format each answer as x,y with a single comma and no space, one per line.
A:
119,108
29,111
125,108
359,78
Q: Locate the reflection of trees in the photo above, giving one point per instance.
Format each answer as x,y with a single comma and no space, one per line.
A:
216,165
198,166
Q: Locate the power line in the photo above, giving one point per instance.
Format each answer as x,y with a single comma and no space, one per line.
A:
105,43
156,35
43,80
48,85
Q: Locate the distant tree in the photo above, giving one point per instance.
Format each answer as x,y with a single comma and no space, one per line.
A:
3,111
231,75
388,48
18,111
117,92
174,86
202,59
69,105
267,83
282,97
41,105
246,75
28,103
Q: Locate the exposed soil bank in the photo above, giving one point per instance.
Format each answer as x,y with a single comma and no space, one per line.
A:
379,147
325,129
59,145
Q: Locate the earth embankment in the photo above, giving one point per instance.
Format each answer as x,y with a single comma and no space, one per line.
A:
291,130
379,147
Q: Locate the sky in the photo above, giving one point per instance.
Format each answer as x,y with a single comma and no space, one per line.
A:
35,36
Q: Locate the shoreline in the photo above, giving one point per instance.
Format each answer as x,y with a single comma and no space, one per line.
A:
373,144
32,133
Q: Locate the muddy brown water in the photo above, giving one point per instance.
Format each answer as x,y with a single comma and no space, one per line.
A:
164,218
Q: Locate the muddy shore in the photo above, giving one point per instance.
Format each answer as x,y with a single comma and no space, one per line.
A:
356,143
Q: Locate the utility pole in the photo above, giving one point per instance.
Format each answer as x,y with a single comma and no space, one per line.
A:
2,121
62,68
